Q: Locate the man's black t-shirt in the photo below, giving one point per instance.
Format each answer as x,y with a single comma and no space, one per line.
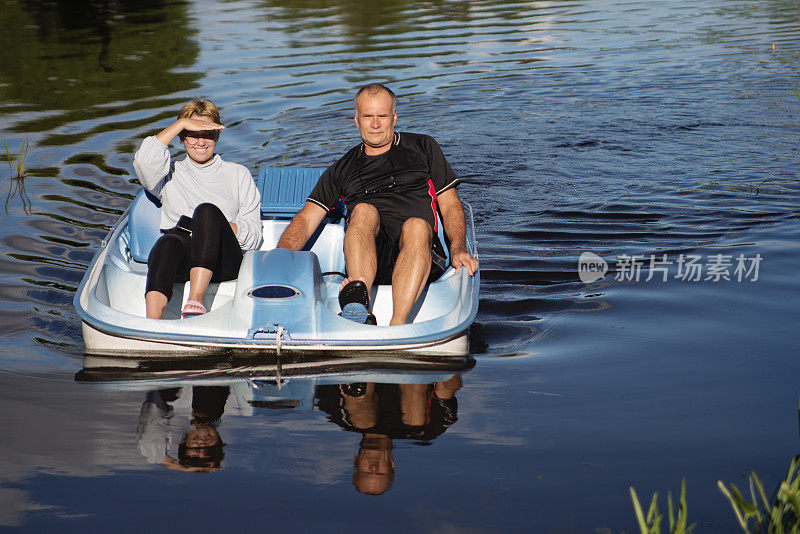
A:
401,183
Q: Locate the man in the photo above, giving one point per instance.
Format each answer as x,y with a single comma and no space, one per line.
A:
391,183
382,413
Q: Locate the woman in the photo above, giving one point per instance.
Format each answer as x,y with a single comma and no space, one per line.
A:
210,210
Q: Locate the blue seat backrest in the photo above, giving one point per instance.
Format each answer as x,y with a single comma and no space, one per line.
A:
284,189
143,223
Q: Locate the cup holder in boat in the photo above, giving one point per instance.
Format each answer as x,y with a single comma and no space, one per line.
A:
273,291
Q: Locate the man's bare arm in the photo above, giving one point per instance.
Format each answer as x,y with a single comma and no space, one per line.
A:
302,226
455,227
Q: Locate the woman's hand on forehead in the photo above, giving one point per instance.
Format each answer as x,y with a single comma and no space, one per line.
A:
199,125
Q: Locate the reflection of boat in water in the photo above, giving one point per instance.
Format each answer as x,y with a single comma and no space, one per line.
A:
282,300
382,402
268,381
124,372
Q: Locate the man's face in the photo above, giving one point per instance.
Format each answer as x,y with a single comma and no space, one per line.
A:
375,119
373,470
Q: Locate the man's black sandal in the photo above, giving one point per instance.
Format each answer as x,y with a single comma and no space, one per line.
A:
354,301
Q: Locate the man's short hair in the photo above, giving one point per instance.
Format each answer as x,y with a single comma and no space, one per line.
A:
202,107
373,89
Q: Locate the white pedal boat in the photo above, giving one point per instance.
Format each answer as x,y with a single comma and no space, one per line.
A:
282,300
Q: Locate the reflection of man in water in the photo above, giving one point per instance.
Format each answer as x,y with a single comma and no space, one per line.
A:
201,449
383,412
373,466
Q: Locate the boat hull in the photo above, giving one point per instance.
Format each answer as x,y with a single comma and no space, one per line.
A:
100,343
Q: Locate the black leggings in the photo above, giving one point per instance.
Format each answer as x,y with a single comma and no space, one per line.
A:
211,244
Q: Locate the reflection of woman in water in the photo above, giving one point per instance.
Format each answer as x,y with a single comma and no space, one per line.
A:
383,412
201,449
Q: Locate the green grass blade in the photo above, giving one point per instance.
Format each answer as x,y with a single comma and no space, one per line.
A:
637,508
683,512
670,513
748,508
9,158
8,196
793,478
734,504
23,153
754,481
653,517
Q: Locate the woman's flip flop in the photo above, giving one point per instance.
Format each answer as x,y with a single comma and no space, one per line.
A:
193,308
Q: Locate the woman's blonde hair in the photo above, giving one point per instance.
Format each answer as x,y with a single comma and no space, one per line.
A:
202,107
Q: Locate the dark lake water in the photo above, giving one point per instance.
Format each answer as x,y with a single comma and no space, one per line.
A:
628,129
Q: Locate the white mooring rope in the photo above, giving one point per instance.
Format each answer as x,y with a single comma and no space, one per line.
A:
278,335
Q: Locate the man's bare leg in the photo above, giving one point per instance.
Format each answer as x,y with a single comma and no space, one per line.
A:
412,267
413,403
446,390
360,255
362,411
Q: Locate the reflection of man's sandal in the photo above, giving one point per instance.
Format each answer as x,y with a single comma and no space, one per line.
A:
356,389
193,308
354,299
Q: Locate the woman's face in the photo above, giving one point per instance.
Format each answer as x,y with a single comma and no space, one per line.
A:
201,438
200,145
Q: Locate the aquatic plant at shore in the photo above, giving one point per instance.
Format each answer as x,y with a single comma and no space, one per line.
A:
782,516
779,516
17,180
652,523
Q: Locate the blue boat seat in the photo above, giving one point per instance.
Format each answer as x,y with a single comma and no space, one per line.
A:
284,189
283,193
143,223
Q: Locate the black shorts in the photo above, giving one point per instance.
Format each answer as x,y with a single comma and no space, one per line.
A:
387,243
